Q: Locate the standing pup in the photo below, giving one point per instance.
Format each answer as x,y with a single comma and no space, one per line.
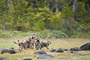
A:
20,44
33,39
45,44
37,44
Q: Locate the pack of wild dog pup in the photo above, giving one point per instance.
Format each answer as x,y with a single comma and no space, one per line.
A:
32,42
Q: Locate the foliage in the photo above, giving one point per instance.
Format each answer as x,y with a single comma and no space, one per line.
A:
69,25
39,15
43,34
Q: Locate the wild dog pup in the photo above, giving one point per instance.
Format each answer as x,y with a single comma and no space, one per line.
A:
23,45
33,39
37,44
20,44
45,44
27,42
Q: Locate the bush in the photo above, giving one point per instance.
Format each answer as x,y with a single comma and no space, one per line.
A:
52,34
10,34
43,34
6,34
81,35
59,34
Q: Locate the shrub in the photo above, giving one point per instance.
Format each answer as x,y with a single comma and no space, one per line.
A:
51,34
59,34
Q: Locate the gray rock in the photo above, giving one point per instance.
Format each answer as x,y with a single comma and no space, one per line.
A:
40,52
85,46
65,49
27,59
4,51
52,50
44,56
59,50
2,58
75,49
1,49
71,51
11,51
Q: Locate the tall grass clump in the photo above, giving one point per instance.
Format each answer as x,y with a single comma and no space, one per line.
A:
52,34
10,34
85,57
43,34
81,35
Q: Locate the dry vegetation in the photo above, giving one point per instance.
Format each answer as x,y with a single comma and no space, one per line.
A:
56,43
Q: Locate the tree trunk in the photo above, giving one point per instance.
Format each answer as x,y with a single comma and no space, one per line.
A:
10,3
57,7
48,4
5,5
3,20
74,8
87,6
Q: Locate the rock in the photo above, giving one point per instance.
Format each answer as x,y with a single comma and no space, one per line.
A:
2,58
4,51
65,49
11,51
59,50
71,51
27,59
40,52
44,56
1,49
75,49
52,50
85,46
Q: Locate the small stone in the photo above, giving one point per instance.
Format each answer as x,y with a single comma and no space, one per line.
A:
27,59
11,51
44,56
4,51
65,49
2,58
75,49
59,50
40,52
53,50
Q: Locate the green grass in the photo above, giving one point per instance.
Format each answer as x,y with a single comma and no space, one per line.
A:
43,34
78,57
56,43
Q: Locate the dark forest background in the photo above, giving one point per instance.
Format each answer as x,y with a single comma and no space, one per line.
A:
48,18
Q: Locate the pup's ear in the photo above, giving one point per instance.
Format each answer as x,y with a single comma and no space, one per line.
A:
18,41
